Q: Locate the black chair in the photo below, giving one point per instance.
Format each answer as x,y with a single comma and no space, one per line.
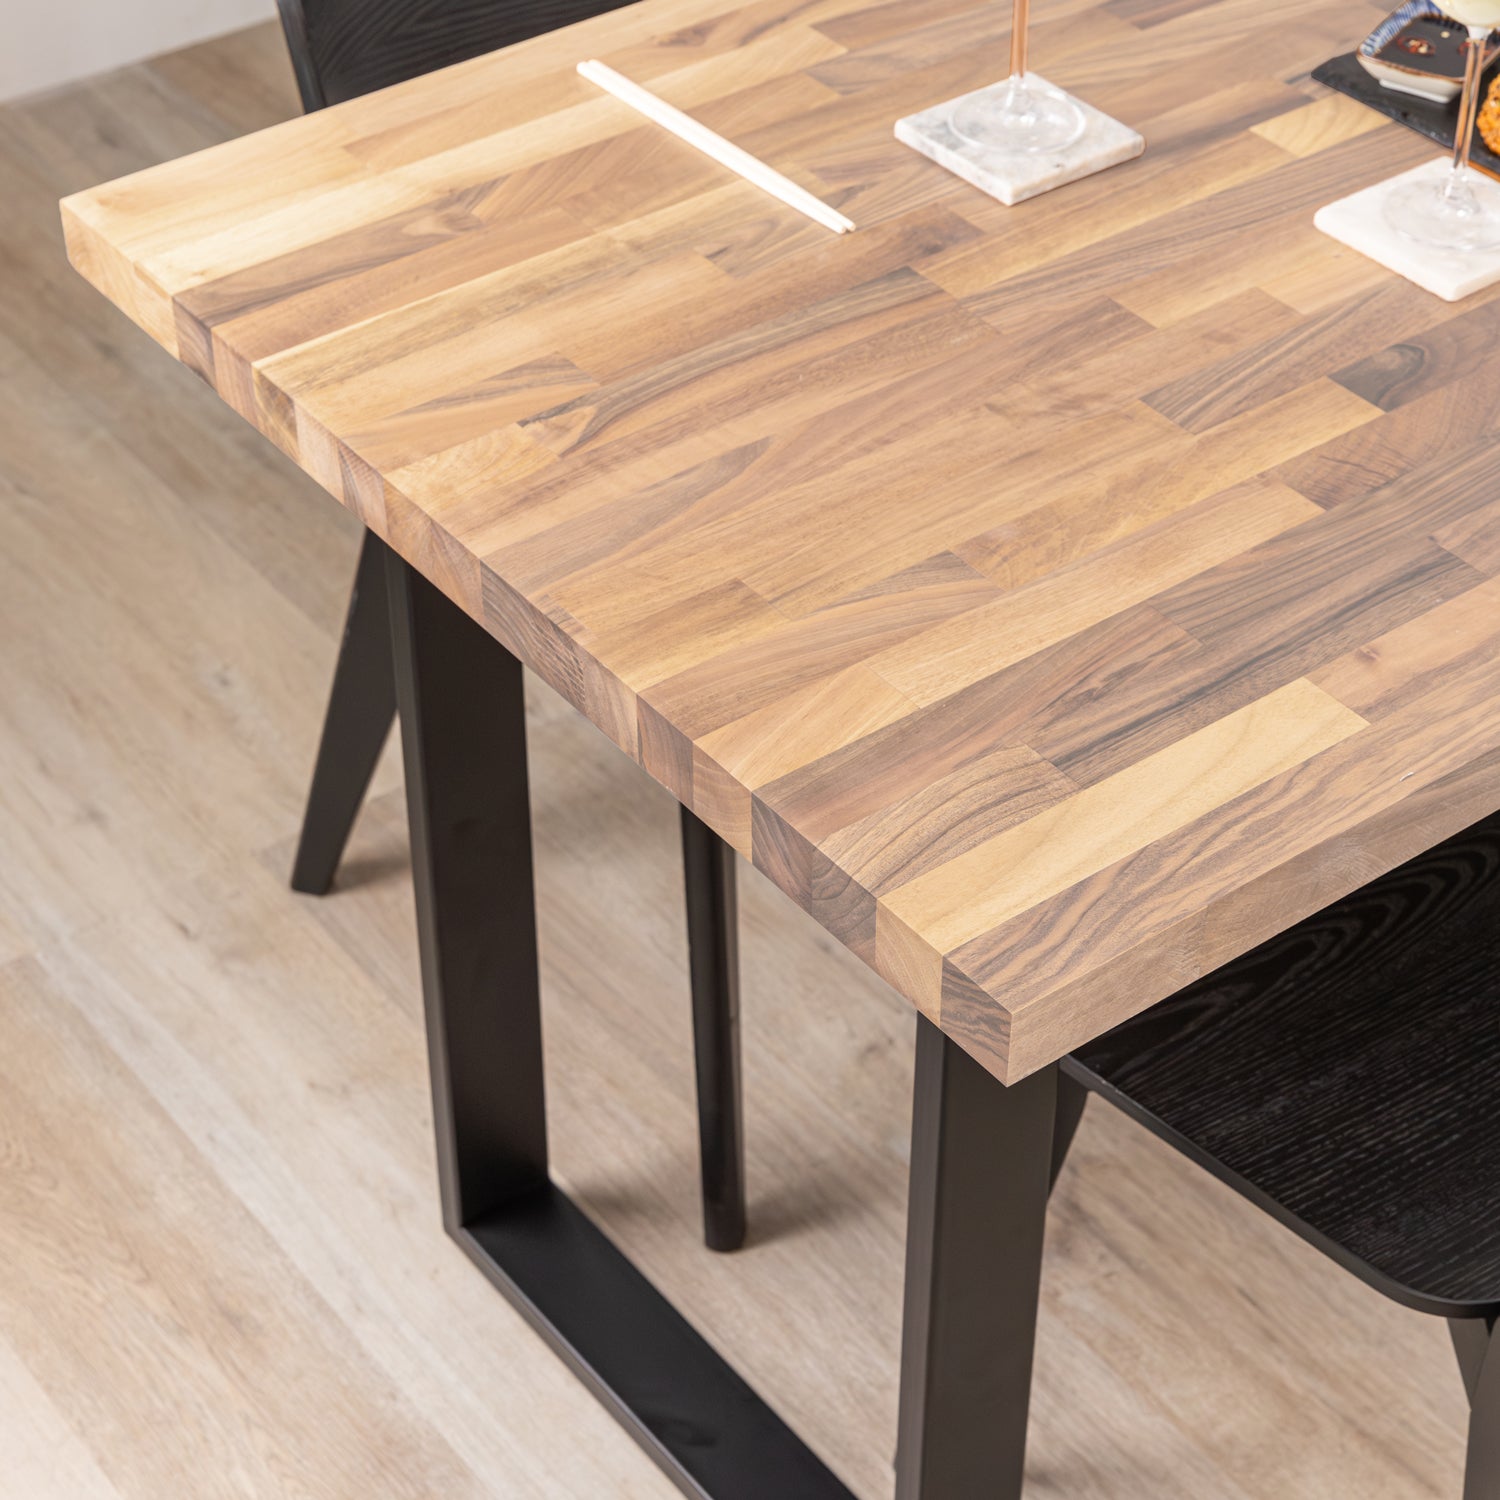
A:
344,48
341,49
1345,1077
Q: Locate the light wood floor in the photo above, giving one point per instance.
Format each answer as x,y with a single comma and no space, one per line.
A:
221,1271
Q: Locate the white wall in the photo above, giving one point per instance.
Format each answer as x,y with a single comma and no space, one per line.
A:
47,42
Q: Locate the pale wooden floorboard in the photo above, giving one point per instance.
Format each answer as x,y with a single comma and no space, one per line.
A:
223,1269
39,1452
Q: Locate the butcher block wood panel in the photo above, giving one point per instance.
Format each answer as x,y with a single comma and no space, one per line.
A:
1055,602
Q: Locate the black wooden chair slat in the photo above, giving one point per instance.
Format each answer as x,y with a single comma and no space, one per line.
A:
1346,1076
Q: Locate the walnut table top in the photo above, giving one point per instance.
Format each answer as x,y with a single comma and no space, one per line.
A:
1054,601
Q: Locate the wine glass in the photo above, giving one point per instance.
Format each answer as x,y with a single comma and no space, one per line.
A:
1021,117
1461,209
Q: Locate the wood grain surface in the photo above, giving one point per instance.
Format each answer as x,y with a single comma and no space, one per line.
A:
1053,601
216,1158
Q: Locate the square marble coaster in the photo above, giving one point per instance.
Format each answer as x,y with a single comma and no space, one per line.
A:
1359,222
1013,176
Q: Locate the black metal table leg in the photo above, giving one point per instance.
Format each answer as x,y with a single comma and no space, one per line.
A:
1482,1475
713,958
463,735
1072,1098
361,709
981,1168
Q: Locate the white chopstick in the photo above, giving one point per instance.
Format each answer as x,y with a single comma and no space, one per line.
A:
724,152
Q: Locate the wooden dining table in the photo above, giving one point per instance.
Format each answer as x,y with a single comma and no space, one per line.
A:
1054,601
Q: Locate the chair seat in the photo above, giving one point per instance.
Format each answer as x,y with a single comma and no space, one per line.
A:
1346,1076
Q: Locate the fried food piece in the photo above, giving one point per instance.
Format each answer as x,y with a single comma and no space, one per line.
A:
1489,117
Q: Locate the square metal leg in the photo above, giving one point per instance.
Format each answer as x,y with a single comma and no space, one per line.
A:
981,1171
1072,1099
463,735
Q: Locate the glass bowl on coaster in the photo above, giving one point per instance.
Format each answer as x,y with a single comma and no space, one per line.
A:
1437,224
1021,136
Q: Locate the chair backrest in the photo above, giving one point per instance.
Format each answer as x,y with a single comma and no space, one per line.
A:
343,48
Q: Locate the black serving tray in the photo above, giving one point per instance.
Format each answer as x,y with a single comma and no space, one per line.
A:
1436,121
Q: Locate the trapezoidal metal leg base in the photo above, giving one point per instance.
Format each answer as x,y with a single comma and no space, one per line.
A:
464,743
681,1401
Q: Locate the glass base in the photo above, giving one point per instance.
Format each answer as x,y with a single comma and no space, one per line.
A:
1457,211
1018,118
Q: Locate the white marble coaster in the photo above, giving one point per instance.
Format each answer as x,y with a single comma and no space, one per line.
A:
1013,176
1359,222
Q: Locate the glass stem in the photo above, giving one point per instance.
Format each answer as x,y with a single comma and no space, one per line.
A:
1019,19
1468,106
